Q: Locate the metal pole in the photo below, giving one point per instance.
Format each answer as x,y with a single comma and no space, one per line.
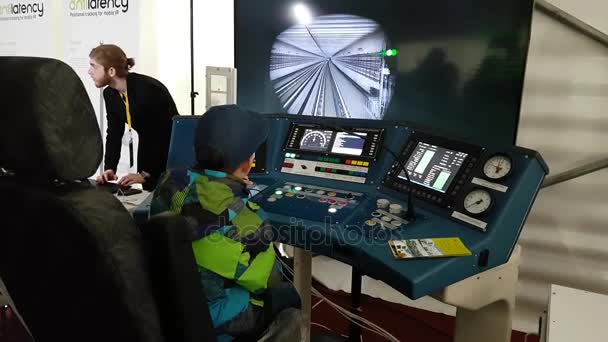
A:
571,21
575,172
192,92
355,293
302,281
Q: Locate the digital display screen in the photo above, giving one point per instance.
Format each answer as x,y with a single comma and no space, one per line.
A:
361,142
457,66
346,143
316,140
433,167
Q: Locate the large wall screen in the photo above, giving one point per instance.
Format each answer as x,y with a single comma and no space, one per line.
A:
456,66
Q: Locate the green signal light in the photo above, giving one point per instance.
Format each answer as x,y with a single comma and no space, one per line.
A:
391,52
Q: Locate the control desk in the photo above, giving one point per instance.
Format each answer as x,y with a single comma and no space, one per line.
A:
339,188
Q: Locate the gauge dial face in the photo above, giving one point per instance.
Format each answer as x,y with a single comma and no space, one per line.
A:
314,140
477,202
497,167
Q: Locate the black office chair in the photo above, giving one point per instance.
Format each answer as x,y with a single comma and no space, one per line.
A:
70,256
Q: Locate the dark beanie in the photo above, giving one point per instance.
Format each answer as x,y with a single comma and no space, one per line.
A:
234,132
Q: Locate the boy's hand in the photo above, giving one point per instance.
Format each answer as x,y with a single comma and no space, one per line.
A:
106,176
247,181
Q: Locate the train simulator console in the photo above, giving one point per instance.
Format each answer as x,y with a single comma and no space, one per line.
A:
339,188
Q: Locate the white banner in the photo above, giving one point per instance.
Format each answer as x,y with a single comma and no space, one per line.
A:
87,23
26,28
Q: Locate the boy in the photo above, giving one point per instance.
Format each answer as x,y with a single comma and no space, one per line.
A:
231,240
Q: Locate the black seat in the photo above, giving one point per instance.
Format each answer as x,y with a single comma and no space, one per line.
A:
182,302
73,261
70,256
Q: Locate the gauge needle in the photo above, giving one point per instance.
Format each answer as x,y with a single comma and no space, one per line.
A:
498,168
476,203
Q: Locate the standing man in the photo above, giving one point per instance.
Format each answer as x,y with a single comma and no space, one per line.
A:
143,104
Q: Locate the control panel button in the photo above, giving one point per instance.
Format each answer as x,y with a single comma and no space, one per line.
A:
382,203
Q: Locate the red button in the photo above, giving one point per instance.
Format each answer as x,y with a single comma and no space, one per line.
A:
348,162
328,170
288,165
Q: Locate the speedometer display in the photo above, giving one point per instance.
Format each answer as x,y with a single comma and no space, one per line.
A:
315,140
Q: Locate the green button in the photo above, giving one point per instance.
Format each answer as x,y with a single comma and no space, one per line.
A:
334,170
322,169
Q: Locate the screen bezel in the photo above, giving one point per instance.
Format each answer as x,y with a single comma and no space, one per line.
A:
447,198
451,181
320,127
260,159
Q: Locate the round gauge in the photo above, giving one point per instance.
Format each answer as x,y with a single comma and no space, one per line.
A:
477,202
314,140
497,167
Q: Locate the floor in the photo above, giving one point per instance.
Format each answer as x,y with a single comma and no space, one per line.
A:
405,323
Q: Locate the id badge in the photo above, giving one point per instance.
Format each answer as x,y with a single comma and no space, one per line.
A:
131,159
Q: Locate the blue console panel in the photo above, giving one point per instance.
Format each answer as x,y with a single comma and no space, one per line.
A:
337,187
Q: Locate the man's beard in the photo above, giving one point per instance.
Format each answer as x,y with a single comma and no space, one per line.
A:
105,81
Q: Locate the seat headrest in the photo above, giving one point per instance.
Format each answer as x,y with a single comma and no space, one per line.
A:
48,128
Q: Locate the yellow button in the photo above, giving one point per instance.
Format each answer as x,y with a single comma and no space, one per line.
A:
365,163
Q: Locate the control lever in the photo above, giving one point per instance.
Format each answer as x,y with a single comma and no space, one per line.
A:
410,213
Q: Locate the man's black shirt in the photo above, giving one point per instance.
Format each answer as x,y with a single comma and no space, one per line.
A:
152,109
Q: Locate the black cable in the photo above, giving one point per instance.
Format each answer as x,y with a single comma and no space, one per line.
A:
410,213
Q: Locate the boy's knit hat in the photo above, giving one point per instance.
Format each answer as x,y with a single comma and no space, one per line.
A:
233,131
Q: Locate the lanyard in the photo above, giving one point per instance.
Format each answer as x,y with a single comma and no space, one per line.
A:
125,100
